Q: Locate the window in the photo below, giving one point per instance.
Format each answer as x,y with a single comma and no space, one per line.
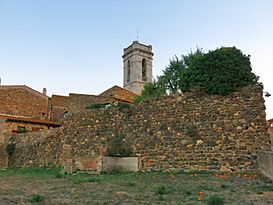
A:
128,71
144,70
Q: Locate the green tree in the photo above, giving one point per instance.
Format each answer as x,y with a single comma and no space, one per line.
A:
151,90
221,71
171,78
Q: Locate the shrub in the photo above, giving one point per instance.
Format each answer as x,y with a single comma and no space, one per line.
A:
191,130
10,148
35,198
215,200
161,190
118,147
123,105
95,106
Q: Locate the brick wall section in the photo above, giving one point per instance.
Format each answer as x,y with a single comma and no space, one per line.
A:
23,101
191,131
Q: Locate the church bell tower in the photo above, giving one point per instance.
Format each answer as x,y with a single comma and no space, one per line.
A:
137,66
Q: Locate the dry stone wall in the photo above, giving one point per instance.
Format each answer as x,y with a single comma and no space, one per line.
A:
41,149
185,132
79,102
191,131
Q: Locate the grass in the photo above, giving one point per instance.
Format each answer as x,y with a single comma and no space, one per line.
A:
161,190
32,171
215,200
20,186
35,198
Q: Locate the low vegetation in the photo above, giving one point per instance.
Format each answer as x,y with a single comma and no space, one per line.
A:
120,105
118,146
47,186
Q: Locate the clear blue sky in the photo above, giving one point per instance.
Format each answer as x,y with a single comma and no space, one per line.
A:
76,45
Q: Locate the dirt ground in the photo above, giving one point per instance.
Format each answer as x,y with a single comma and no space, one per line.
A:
41,186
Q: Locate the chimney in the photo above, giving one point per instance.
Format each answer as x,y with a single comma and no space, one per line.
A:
44,91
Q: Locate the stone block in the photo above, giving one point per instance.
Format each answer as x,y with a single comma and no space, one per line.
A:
130,164
265,161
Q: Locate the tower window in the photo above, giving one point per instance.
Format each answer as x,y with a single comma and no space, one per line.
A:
144,70
128,71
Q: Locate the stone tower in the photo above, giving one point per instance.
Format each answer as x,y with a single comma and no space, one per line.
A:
137,66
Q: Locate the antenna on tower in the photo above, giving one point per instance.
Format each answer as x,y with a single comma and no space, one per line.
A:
137,34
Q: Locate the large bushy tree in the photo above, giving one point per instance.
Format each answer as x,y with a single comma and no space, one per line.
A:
220,71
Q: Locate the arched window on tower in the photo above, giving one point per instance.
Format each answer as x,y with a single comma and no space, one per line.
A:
144,70
128,71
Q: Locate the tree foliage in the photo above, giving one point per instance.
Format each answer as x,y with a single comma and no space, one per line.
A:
151,90
220,71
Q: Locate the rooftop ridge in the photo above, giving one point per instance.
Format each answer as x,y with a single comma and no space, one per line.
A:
26,88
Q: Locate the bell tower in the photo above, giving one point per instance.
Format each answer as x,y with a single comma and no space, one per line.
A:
137,66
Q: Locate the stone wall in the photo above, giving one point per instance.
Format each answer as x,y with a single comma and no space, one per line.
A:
191,131
266,164
57,107
79,102
120,94
23,101
10,127
270,132
3,143
37,149
185,132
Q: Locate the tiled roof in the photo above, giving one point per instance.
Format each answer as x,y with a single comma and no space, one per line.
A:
15,118
35,92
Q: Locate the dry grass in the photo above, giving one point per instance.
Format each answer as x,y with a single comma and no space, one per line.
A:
22,185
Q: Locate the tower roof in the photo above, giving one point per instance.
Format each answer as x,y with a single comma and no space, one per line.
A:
136,46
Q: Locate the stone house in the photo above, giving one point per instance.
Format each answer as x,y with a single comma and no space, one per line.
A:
13,124
74,103
21,100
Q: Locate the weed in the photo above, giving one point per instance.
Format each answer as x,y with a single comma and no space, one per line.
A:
95,106
119,147
131,184
35,198
116,171
266,188
10,148
206,187
81,179
123,105
161,190
191,130
215,200
224,186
